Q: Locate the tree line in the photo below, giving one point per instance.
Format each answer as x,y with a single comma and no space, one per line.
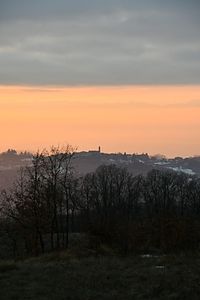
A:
49,201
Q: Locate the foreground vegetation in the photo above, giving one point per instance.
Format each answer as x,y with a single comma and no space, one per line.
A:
117,218
64,276
133,214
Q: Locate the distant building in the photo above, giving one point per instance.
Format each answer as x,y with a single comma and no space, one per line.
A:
95,151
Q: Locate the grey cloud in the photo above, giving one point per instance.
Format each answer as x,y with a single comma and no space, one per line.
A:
84,42
40,9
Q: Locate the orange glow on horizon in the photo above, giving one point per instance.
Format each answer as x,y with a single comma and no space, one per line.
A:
153,119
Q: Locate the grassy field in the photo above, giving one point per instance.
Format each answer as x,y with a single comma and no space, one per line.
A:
62,276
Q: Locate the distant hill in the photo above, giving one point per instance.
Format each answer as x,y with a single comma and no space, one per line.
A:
85,162
10,163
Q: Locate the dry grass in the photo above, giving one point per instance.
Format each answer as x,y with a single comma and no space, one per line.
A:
66,276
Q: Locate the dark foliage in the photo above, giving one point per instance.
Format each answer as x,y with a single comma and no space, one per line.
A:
159,212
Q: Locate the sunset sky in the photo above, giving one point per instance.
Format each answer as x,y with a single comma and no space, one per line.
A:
123,74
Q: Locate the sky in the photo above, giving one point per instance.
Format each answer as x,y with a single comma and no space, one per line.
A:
123,74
